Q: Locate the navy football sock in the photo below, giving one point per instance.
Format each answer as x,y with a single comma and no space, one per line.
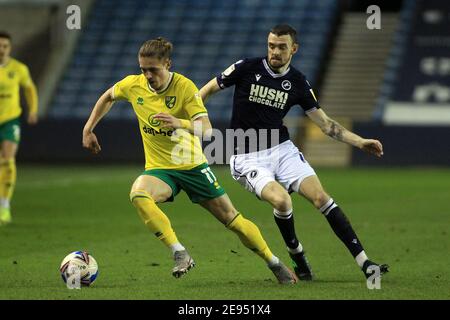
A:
342,227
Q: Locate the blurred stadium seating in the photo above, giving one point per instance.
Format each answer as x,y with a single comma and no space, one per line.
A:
398,51
385,84
416,87
208,36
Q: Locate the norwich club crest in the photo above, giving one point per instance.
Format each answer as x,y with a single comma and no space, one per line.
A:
170,101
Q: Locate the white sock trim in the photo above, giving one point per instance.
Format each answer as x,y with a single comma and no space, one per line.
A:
177,247
327,207
273,261
361,258
4,203
296,250
283,214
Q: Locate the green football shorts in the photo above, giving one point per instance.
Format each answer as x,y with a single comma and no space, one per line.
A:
199,183
10,130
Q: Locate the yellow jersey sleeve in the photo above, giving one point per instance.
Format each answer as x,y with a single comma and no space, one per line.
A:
121,88
25,78
193,103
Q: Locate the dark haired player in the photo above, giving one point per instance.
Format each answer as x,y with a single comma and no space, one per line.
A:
265,89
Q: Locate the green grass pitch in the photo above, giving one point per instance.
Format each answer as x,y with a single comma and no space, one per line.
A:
401,216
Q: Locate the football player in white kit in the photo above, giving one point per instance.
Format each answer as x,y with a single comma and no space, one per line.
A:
265,89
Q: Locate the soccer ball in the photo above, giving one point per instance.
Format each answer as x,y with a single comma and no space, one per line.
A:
78,269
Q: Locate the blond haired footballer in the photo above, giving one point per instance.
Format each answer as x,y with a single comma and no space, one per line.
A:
167,106
13,76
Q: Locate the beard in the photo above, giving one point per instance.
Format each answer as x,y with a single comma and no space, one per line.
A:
277,63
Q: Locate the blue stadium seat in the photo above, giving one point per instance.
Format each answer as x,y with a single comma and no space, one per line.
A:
208,36
397,54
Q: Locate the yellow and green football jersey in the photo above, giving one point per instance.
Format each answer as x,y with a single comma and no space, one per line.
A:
13,75
165,148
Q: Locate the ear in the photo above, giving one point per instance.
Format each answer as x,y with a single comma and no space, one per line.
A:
168,64
295,48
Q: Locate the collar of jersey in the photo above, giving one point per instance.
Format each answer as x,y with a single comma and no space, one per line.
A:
5,64
165,89
273,74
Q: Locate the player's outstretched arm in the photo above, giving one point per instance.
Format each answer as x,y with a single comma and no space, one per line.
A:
101,108
336,131
209,89
31,97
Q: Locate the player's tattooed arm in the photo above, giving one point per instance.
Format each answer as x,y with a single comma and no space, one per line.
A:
333,129
336,131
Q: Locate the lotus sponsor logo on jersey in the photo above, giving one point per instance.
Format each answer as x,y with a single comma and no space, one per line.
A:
154,124
268,96
152,121
170,101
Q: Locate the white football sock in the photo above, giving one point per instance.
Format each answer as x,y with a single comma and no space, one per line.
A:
4,203
177,247
296,250
273,261
361,258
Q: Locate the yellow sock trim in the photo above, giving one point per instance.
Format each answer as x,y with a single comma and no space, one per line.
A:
250,236
155,220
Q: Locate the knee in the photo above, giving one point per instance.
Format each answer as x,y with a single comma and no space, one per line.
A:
320,198
228,215
135,195
7,160
281,201
7,155
235,223
157,197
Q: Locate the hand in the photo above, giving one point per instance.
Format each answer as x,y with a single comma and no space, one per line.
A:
90,142
168,121
32,118
372,146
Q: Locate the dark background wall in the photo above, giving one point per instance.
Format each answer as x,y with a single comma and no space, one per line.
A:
406,145
60,141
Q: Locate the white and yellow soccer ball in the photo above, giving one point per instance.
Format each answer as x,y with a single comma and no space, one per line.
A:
78,269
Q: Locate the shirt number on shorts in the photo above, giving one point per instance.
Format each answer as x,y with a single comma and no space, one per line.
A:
209,174
16,132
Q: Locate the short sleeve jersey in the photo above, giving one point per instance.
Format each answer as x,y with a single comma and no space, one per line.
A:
165,148
262,98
